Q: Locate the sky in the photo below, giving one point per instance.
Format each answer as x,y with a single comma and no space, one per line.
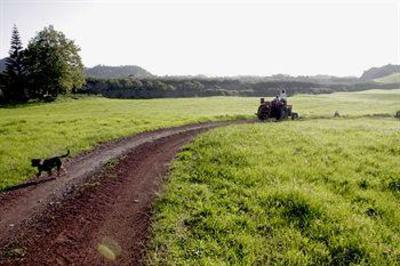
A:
218,37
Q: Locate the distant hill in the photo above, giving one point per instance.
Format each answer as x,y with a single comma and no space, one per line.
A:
392,78
113,72
2,64
106,72
380,72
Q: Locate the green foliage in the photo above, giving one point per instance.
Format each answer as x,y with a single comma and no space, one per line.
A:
316,192
172,87
49,66
13,85
53,63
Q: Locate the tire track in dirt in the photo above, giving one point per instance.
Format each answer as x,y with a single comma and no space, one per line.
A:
92,209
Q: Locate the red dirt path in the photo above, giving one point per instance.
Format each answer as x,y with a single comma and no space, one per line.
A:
64,221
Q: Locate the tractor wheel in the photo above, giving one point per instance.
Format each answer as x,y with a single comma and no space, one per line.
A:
295,116
285,114
281,115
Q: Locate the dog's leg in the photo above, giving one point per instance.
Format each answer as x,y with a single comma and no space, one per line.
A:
49,173
38,174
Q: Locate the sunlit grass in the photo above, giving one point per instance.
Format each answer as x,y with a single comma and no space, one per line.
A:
317,192
42,130
364,103
393,78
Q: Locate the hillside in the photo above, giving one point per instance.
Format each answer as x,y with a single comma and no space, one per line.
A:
107,72
379,72
112,72
392,78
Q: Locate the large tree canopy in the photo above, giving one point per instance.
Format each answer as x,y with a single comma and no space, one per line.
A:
53,63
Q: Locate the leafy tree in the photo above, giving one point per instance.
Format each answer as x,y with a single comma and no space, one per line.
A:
14,86
54,64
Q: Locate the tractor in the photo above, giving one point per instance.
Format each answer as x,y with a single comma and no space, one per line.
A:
277,108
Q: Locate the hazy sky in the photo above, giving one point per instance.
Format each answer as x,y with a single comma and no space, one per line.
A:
219,37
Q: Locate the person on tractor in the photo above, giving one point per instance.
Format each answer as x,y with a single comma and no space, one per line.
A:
277,108
283,96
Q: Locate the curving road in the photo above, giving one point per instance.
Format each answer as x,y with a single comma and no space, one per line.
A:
93,214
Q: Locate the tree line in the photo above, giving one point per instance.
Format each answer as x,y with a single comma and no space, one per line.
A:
48,66
203,87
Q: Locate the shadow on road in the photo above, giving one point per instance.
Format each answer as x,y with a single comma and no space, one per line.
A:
28,184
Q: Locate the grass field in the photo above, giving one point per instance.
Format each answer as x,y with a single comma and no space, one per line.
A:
43,130
349,104
393,78
311,192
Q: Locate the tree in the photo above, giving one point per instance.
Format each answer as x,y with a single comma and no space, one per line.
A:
2,89
54,64
14,86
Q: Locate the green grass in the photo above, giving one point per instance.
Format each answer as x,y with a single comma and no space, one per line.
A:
316,192
43,130
355,104
393,78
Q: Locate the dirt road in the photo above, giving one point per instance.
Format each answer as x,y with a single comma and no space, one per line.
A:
99,212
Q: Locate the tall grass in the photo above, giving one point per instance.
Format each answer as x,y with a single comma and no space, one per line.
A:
311,192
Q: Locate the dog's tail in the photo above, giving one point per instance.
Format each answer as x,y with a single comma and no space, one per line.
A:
65,155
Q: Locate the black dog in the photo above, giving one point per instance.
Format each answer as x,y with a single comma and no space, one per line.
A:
48,164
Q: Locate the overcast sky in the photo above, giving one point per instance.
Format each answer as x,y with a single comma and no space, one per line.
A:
219,37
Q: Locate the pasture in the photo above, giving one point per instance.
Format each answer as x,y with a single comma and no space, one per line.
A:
43,130
393,78
311,192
